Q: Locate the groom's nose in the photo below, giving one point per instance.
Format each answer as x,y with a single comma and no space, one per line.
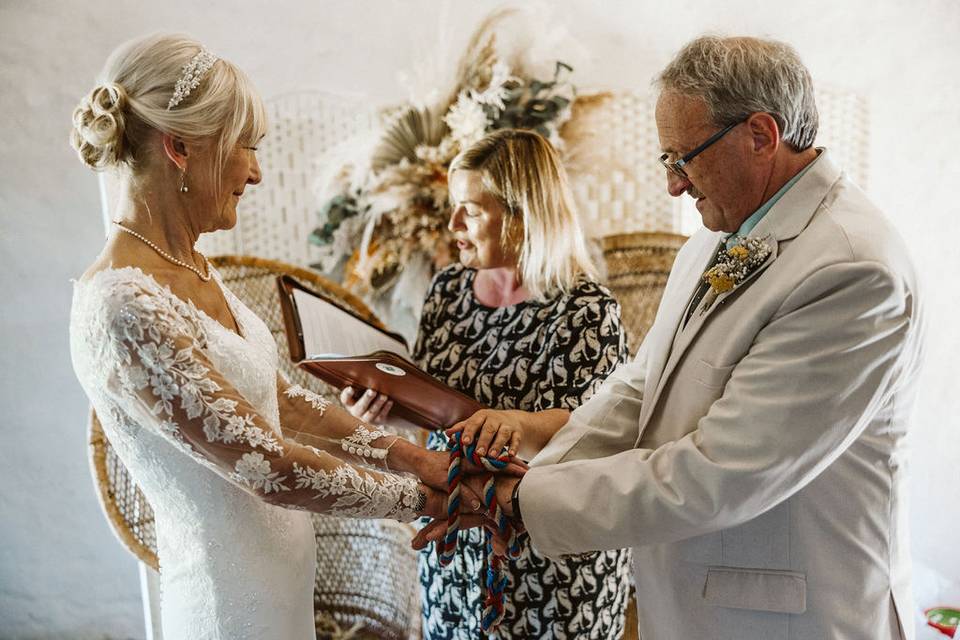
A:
677,185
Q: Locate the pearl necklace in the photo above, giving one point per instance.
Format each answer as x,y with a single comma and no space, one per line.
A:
166,256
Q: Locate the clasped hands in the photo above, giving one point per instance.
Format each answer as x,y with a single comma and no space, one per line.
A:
494,431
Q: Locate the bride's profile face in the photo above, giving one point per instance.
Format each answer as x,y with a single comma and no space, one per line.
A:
240,169
218,199
476,221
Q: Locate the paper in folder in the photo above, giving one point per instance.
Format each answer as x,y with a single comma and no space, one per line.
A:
343,349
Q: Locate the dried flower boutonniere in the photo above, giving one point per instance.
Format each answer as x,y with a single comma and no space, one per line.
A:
734,265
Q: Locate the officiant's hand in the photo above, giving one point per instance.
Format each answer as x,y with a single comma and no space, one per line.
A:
493,430
370,406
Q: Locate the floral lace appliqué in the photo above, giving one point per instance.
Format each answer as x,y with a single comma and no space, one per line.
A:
150,347
359,495
254,470
315,399
359,443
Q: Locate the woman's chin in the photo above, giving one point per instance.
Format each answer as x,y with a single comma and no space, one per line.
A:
468,259
227,221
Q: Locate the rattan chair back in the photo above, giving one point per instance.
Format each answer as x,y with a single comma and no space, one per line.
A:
637,266
126,508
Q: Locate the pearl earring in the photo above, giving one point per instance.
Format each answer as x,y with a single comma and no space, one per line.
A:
183,181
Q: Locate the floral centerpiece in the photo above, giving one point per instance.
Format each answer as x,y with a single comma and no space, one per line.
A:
387,214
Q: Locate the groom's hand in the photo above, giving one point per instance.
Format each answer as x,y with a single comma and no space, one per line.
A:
503,489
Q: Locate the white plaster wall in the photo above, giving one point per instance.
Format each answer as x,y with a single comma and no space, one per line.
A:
62,575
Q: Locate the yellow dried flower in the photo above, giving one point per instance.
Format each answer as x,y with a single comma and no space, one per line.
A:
739,252
719,281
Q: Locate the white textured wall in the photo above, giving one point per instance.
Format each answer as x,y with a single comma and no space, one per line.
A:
61,573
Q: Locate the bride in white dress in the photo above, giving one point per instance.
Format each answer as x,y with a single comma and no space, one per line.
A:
184,377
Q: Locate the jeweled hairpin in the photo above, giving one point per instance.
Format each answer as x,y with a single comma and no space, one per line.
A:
193,73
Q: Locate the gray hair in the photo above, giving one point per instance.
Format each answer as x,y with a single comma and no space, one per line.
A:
740,76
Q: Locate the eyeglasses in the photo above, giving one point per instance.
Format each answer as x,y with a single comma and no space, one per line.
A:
678,166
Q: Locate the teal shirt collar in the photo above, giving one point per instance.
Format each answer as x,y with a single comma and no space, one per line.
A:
751,222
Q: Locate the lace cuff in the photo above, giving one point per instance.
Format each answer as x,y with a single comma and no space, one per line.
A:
359,443
357,494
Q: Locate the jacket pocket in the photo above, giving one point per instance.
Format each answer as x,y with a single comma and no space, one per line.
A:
711,376
756,589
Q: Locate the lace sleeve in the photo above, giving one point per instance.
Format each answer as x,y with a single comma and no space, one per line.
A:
156,368
309,419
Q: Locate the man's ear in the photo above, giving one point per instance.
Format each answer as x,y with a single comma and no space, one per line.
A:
176,150
765,132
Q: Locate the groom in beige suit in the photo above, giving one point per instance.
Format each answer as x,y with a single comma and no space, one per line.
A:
753,453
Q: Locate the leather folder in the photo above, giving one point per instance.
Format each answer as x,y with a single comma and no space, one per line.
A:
417,396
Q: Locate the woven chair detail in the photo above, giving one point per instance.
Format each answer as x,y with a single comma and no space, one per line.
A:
638,265
276,217
366,571
617,184
129,514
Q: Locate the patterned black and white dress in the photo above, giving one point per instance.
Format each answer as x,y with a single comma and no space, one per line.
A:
531,356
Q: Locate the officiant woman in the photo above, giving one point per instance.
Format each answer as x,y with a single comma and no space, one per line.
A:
519,323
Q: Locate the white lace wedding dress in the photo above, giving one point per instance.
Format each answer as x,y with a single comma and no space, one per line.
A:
216,440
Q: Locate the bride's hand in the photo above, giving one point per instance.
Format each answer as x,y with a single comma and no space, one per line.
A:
493,431
436,503
371,407
432,468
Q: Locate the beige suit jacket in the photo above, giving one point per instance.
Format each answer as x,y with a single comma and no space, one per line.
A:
755,458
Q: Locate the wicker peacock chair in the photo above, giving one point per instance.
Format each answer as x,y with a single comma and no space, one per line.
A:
637,268
366,584
127,510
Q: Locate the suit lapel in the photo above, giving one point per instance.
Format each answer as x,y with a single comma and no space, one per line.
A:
711,302
689,333
788,217
673,306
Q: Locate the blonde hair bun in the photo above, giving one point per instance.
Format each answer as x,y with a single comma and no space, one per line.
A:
98,126
165,83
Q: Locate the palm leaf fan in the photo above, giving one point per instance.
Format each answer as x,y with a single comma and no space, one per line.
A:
408,130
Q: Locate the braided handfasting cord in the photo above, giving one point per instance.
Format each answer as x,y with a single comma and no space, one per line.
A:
496,581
